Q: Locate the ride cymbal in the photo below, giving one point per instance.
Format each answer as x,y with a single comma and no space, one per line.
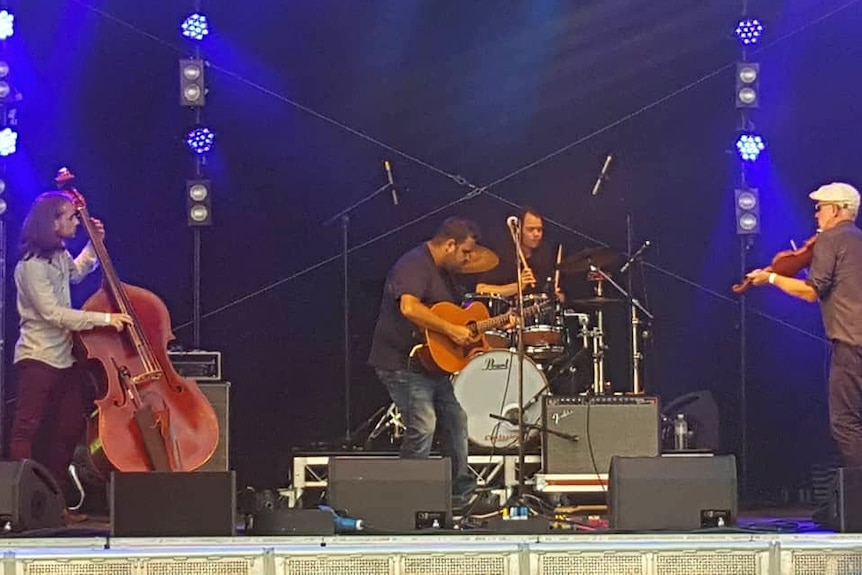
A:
582,260
594,302
482,259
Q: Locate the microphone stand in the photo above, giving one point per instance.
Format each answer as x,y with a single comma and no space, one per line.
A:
344,216
519,330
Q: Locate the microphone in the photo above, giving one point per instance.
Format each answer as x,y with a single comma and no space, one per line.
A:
635,256
388,169
512,222
602,175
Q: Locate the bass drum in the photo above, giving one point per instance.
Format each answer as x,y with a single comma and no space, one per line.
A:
489,384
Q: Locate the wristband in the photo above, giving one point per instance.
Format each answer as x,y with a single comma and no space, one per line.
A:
108,318
772,277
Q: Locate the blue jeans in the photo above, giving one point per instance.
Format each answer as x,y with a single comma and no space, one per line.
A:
424,401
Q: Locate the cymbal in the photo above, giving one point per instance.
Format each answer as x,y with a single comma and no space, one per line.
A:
482,259
582,260
593,302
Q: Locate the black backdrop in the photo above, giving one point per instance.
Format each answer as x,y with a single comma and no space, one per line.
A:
444,89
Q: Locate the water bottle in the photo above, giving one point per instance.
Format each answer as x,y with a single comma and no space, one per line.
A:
680,433
343,523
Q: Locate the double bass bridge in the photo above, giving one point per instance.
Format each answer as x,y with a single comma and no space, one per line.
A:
145,377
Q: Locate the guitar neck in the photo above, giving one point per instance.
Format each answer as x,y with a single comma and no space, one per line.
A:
503,319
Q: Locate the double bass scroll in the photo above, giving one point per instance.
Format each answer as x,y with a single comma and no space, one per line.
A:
149,418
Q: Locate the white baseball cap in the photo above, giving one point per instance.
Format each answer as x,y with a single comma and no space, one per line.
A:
838,193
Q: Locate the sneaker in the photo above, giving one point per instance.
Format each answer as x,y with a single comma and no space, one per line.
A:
480,505
73,518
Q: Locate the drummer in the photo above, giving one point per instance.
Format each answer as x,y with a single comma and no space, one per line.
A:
538,277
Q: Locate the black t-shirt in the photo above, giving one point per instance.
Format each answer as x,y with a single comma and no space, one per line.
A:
836,275
541,261
415,273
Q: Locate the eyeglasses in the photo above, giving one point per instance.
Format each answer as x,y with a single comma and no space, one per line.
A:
818,207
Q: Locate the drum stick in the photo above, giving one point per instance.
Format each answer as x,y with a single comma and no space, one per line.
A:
522,257
557,272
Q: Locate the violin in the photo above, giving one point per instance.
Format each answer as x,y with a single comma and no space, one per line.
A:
785,263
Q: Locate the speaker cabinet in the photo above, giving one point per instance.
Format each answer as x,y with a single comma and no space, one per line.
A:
672,492
602,427
29,496
218,395
173,504
392,494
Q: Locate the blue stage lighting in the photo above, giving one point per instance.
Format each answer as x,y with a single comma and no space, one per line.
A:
749,31
8,141
195,27
7,24
749,145
200,140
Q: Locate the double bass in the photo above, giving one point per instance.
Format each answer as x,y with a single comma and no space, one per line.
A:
149,418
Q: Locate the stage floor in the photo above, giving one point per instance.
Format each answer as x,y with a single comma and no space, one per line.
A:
765,542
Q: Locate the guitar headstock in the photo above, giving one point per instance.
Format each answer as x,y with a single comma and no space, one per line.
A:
64,180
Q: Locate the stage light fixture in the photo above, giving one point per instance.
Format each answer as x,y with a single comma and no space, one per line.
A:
2,186
747,211
195,27
199,202
747,85
8,141
749,31
750,145
192,86
7,24
200,140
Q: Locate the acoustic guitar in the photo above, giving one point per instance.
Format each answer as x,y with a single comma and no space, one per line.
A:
441,354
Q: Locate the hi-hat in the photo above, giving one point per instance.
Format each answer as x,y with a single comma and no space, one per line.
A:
482,259
581,261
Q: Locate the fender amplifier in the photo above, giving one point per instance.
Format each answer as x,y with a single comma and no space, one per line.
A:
597,428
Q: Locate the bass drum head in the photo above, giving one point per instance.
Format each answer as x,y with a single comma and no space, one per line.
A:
489,384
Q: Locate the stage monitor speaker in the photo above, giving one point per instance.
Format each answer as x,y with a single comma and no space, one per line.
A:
218,395
392,494
672,492
604,426
29,497
173,504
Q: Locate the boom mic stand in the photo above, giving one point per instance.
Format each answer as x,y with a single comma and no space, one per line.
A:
515,231
344,216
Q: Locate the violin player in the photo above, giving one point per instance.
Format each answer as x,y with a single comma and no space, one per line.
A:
51,407
835,280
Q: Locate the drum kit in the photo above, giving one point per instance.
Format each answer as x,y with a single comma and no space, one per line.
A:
564,352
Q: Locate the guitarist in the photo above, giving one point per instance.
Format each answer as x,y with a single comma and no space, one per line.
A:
419,279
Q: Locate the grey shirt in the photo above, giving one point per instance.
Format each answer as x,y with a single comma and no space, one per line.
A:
45,306
836,275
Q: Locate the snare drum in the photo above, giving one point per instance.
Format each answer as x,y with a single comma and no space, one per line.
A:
497,305
489,384
543,329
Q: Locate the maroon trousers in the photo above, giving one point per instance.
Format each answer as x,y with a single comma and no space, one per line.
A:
50,417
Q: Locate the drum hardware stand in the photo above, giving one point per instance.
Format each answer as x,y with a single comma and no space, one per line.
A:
598,334
637,355
344,217
390,419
